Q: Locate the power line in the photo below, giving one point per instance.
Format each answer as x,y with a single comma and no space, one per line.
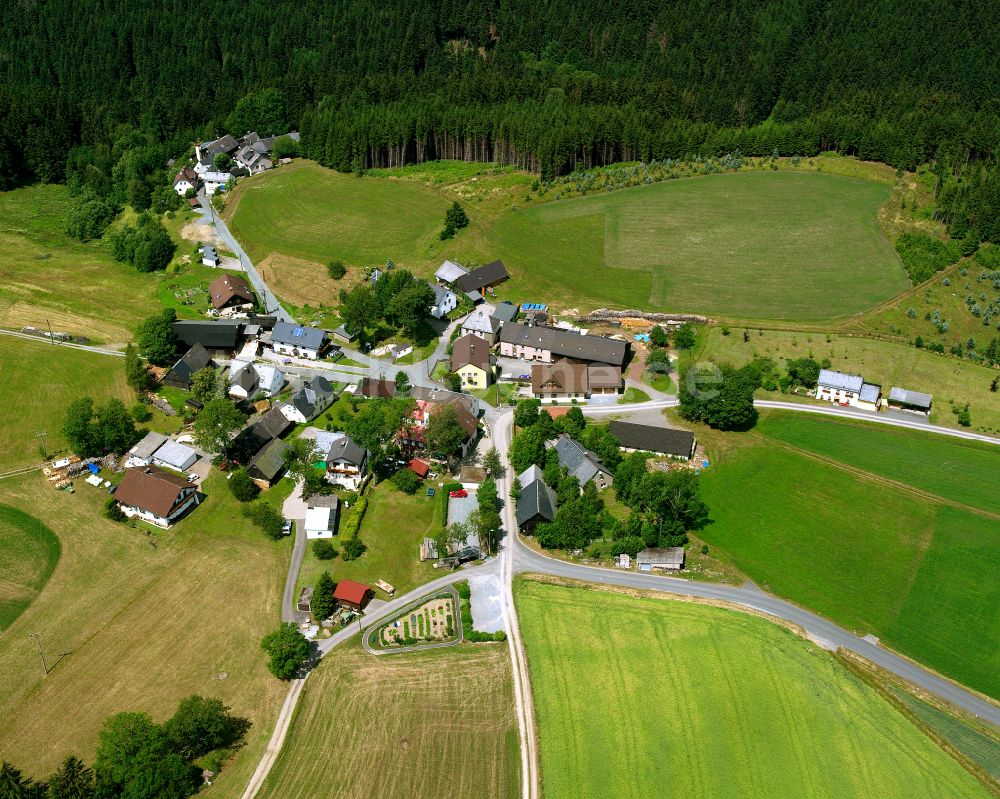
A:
41,654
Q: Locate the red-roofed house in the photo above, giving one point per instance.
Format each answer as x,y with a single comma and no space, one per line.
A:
350,594
420,468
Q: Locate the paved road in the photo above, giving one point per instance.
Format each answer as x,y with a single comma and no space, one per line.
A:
210,217
71,345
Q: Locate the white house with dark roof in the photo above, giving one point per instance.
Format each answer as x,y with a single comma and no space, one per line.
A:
309,401
482,323
297,340
345,463
445,301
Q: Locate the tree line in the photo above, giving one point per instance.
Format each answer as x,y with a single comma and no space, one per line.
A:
547,87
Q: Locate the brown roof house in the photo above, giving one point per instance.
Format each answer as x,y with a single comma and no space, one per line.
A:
155,496
472,362
231,295
567,380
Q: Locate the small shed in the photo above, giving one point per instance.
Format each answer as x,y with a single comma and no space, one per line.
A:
669,559
352,595
907,400
419,467
304,605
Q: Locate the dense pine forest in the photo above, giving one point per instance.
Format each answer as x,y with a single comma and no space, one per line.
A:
550,87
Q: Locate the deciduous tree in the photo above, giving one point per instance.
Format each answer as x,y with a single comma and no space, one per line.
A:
287,649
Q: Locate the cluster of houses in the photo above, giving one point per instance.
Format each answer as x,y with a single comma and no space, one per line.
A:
250,155
845,389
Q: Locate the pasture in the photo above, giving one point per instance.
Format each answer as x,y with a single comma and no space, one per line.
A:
78,287
126,626
638,697
868,554
422,724
37,381
884,362
795,246
29,552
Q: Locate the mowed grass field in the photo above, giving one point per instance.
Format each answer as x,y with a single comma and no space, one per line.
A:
778,245
884,362
37,381
29,552
46,275
870,554
639,697
403,726
126,626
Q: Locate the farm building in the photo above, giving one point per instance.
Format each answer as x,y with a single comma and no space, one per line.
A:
669,559
914,401
343,336
142,453
505,312
268,464
546,344
485,277
231,295
174,455
180,374
581,463
321,516
222,336
449,272
472,362
352,595
298,341
155,496
649,438
535,504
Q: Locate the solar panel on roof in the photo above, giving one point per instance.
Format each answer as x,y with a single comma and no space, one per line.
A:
297,332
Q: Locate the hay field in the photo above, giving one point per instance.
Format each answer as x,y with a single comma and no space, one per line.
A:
408,726
649,697
29,552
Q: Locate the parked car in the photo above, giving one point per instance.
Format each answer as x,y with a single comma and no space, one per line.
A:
192,478
286,528
460,494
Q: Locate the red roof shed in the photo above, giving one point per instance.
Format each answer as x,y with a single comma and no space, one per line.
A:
352,594
421,468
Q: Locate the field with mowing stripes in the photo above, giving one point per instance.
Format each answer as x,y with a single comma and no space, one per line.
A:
874,556
644,698
29,552
403,726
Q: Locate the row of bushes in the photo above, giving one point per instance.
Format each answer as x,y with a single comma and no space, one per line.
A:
352,545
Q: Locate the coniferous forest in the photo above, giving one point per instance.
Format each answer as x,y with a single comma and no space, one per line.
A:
548,87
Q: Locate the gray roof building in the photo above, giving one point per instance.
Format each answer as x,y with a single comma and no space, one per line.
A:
910,399
267,464
649,438
344,449
870,392
313,398
505,312
566,343
581,463
670,558
484,276
222,334
449,272
194,360
529,475
536,503
307,338
839,381
147,446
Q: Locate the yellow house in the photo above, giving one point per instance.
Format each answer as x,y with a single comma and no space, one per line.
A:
471,361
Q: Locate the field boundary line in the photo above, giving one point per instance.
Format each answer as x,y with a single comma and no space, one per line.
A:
275,744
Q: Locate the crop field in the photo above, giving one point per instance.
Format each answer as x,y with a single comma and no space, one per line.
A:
435,723
884,362
37,381
46,275
870,555
640,697
760,245
957,470
126,626
29,552
393,528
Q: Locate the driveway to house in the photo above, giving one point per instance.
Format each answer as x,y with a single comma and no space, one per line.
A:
271,304
294,508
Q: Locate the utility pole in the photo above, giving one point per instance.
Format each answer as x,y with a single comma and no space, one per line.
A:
41,654
40,435
47,322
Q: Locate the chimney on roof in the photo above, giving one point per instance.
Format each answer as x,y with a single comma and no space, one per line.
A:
197,152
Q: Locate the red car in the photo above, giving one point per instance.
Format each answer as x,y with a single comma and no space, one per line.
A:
460,494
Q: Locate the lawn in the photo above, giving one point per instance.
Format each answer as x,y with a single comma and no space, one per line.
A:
29,552
755,245
37,381
403,726
126,626
393,527
871,556
884,362
961,471
639,697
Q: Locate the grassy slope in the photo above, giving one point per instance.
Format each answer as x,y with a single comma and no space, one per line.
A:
37,380
403,726
393,527
636,697
29,552
883,362
797,246
817,534
140,627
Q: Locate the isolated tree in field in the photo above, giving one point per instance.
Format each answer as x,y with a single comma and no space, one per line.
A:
722,398
402,383
454,220
215,424
492,463
156,338
353,548
323,603
242,486
684,338
89,216
134,759
658,337
406,480
444,434
288,650
336,270
136,374
72,780
201,725
526,412
265,516
206,384
526,448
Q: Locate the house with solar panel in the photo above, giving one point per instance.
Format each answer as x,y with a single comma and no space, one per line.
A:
847,389
298,341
